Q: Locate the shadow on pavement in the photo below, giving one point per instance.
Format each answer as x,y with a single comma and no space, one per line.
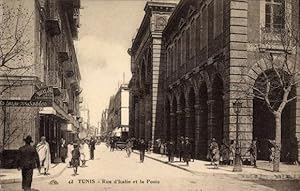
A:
280,185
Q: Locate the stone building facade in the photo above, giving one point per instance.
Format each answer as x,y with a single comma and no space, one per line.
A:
205,49
146,84
208,45
49,71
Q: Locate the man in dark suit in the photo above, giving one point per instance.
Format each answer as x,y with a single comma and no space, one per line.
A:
142,147
92,148
28,160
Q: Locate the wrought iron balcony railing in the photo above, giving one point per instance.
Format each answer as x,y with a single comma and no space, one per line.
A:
65,96
54,81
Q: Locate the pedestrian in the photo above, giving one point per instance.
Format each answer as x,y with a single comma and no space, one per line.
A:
192,149
82,152
253,152
75,161
43,150
63,150
231,152
162,148
69,153
224,153
27,160
142,147
129,145
171,151
180,148
214,153
92,147
112,144
187,147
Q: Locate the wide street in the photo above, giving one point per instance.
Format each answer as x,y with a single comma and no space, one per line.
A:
116,172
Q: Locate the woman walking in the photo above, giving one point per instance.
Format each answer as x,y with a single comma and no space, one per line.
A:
214,153
75,161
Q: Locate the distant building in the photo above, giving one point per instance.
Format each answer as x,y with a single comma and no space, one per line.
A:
104,123
118,113
85,121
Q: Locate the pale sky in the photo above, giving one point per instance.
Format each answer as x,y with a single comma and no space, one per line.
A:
106,32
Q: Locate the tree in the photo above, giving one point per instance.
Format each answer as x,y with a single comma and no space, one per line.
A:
15,46
16,55
275,73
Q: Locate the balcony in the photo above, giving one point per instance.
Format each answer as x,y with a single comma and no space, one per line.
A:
54,82
71,108
72,3
69,70
53,26
63,56
65,96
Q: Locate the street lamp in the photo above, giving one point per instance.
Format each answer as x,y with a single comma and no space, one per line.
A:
237,105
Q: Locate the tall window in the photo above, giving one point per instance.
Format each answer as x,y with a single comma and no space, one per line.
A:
193,39
168,62
218,17
188,43
275,15
183,48
204,28
178,52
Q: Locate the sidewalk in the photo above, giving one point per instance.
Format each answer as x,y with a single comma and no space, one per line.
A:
14,176
263,170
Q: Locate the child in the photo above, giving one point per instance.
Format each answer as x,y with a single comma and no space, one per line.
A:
272,154
75,158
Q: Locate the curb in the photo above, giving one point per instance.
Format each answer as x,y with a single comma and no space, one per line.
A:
19,180
281,176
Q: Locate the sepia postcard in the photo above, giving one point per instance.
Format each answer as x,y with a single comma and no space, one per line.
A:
146,95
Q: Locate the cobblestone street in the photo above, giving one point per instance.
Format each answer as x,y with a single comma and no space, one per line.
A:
115,171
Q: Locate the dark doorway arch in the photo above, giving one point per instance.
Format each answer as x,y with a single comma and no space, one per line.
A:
181,115
218,108
264,121
191,128
174,120
203,136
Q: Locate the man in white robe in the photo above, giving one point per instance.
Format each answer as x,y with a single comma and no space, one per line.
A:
43,150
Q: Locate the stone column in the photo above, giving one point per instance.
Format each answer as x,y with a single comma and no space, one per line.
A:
187,128
211,123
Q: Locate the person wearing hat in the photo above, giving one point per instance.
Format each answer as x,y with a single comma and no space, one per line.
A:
27,160
187,148
181,148
253,152
142,147
75,161
214,152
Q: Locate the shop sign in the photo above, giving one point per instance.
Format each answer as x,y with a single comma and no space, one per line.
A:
26,103
41,98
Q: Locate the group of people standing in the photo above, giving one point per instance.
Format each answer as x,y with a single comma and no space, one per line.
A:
82,151
39,156
225,154
183,150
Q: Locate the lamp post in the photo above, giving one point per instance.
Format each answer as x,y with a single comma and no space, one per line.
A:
237,160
